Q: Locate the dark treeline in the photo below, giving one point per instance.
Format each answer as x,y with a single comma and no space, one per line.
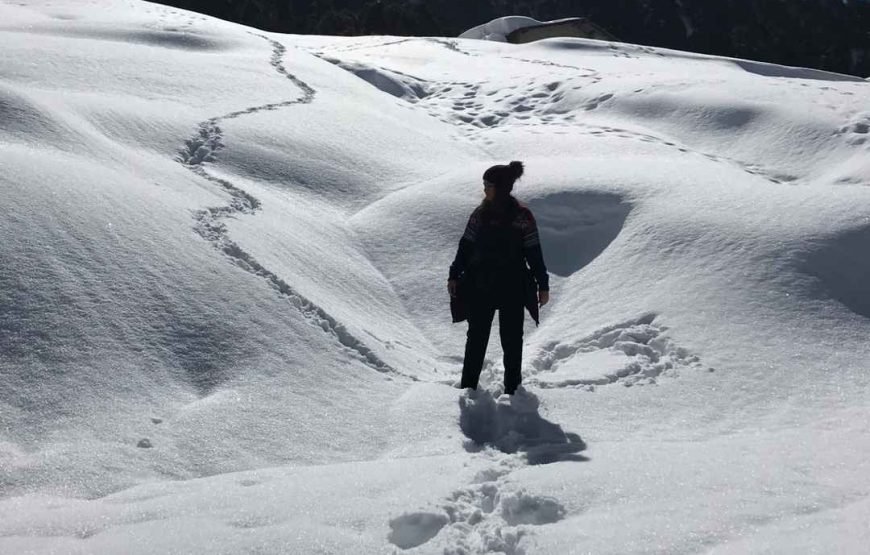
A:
826,34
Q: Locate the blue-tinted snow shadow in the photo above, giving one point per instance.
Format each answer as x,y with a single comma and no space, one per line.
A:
46,328
842,268
169,37
576,227
513,424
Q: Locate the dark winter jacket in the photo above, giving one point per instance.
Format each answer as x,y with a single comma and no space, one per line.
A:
499,260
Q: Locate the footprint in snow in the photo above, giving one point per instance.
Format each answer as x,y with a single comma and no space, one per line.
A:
482,518
596,102
415,529
636,352
513,424
492,515
857,131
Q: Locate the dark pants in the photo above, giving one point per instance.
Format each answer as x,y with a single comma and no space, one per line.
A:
510,321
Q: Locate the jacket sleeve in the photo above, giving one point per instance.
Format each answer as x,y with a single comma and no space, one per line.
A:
466,245
532,251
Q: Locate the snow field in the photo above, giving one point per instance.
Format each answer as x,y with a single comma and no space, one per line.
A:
232,246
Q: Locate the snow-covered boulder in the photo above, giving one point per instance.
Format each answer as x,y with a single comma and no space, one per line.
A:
519,29
499,29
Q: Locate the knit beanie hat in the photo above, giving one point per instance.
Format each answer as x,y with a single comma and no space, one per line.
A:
503,176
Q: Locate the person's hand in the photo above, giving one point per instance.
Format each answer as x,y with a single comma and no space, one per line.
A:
452,287
543,297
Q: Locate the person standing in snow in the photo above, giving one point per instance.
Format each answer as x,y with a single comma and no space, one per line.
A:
499,265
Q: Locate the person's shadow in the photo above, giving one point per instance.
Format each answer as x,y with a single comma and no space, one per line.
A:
513,424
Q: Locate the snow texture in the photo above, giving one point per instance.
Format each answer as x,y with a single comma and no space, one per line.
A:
224,324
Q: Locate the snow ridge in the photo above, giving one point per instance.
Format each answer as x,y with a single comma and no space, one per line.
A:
202,148
470,107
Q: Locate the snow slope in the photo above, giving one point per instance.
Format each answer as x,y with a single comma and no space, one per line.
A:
223,316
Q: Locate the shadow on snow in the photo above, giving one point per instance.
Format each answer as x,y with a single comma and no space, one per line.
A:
513,424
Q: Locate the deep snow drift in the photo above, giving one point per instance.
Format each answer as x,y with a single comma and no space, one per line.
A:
223,313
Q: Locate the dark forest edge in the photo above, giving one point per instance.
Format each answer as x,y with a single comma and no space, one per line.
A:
833,35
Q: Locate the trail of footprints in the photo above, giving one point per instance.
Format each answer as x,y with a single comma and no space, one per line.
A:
461,104
641,347
492,515
856,133
754,169
467,104
481,518
488,516
202,148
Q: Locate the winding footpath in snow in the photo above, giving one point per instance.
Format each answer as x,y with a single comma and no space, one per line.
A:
203,148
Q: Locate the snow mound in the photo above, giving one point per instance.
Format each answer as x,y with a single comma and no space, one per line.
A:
498,29
25,120
390,82
171,38
223,250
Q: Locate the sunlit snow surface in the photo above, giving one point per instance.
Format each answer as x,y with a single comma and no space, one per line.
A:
223,315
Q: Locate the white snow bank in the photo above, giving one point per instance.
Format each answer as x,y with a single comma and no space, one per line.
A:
124,298
342,508
498,29
224,251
